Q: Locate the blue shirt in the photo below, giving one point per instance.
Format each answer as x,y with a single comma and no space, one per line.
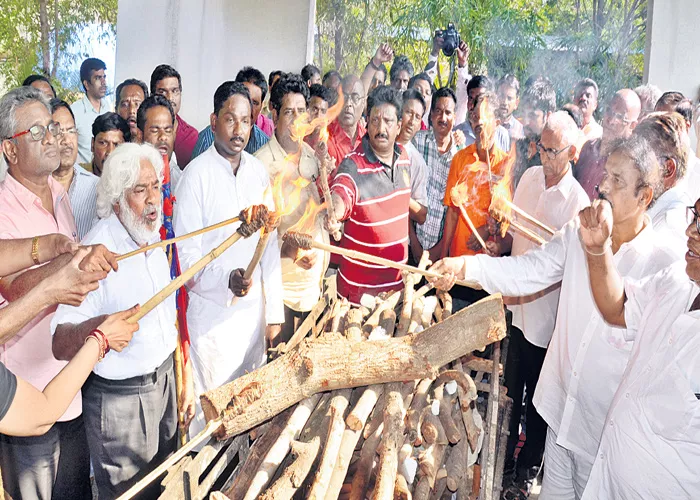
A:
206,138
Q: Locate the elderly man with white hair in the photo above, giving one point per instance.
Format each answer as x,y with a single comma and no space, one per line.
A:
130,401
551,194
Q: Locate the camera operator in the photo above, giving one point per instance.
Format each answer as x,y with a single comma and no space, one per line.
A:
462,51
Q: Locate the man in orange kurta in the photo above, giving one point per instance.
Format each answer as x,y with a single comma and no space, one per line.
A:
469,167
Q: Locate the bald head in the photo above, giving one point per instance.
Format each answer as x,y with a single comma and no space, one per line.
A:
558,146
621,115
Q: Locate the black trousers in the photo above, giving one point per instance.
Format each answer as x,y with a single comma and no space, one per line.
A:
55,465
522,370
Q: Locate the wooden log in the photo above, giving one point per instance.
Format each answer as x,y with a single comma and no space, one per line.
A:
401,489
448,424
261,447
439,489
281,447
353,331
430,428
456,464
430,460
422,490
339,316
413,416
368,400
165,243
293,477
203,462
319,365
488,451
446,300
477,364
389,448
324,471
363,471
466,399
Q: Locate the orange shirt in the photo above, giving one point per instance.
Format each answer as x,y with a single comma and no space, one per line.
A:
477,180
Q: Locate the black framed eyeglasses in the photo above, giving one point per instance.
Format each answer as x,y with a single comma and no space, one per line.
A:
552,153
693,215
38,132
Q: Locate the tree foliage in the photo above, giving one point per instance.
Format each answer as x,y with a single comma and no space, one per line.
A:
41,35
564,40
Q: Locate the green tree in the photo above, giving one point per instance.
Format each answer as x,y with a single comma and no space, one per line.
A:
38,35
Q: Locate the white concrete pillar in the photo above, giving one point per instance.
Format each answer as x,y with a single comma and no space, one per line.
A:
208,41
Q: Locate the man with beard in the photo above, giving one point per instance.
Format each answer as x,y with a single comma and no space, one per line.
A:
586,357
130,94
92,105
156,123
437,146
166,81
320,99
650,442
508,90
33,203
346,132
371,193
79,184
619,120
586,98
130,401
108,131
539,101
228,334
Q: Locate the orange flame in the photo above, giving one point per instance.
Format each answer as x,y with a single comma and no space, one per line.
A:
286,188
303,127
307,222
501,195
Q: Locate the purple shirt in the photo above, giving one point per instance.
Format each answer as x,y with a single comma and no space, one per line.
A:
265,124
185,141
589,169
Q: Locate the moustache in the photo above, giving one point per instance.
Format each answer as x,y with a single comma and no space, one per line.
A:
237,138
381,136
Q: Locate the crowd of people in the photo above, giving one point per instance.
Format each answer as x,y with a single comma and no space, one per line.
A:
603,294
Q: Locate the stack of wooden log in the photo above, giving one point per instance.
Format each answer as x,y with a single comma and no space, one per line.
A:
369,419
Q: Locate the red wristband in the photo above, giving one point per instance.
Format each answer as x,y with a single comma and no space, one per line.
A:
104,337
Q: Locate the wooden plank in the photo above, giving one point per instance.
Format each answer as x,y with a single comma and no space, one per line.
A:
201,491
488,452
174,481
243,453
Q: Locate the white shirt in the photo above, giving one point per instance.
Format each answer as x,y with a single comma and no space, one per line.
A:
227,335
669,218
586,356
419,175
650,446
554,206
139,278
82,193
692,177
85,116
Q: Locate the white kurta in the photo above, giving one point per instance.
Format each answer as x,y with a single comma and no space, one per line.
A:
586,357
139,278
554,206
650,446
227,336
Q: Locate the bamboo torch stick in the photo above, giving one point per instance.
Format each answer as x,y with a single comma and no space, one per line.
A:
324,160
472,227
528,217
526,232
305,241
244,231
165,243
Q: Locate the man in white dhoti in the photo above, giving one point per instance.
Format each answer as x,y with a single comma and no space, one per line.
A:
229,317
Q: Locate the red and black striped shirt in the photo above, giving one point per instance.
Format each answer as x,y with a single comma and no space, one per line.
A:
376,198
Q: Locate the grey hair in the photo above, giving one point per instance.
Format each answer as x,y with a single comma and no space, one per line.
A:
638,149
648,93
562,122
10,104
121,172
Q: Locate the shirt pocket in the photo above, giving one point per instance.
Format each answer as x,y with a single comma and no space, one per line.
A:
669,404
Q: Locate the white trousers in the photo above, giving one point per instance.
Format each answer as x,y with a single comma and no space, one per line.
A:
565,472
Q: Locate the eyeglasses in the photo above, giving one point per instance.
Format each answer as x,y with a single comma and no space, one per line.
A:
693,215
551,153
38,132
617,117
68,131
355,98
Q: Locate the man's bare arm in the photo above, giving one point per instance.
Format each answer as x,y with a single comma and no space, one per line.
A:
17,285
69,337
16,254
417,212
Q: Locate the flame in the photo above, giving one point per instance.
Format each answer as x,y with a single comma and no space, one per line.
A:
501,195
303,127
286,188
307,222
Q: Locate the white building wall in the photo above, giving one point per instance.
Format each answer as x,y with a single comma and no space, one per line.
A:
208,41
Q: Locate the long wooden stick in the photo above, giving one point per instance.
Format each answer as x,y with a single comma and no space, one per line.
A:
165,243
179,374
515,208
354,254
206,433
530,234
171,287
257,255
471,225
